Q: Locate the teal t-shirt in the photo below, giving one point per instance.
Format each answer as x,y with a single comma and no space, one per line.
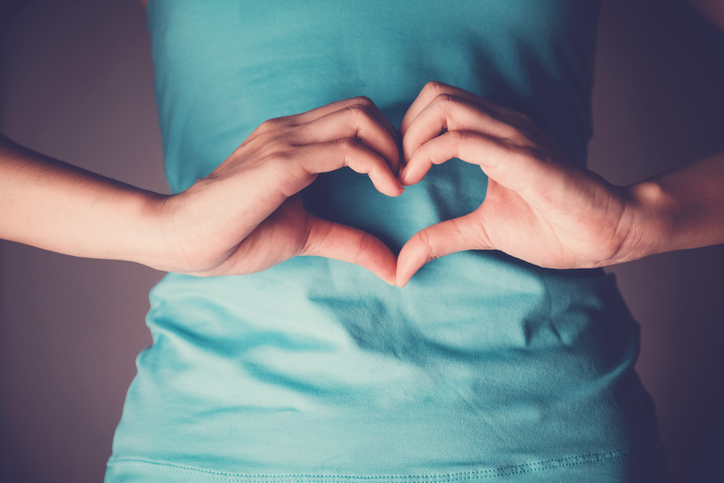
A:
483,367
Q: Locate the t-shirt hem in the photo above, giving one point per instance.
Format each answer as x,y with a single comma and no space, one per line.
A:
482,474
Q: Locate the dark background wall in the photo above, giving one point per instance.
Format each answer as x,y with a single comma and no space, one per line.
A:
76,84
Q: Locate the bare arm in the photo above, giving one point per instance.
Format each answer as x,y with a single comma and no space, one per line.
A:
683,208
538,206
55,206
246,216
679,209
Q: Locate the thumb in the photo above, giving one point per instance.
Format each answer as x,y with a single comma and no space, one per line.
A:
444,238
340,242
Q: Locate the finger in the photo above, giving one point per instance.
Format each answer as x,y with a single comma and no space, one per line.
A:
340,242
456,235
385,122
429,93
322,111
513,167
362,101
450,113
355,121
300,165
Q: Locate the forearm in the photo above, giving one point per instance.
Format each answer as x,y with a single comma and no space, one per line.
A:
676,210
683,208
55,206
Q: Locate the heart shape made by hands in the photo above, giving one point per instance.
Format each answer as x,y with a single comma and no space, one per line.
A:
539,206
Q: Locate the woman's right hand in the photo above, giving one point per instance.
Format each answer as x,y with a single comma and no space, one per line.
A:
247,215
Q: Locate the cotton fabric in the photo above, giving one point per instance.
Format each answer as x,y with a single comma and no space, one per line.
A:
483,368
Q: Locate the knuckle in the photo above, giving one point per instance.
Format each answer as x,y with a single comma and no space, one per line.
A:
358,113
362,101
274,147
512,134
433,88
280,159
480,236
288,139
427,243
445,99
347,144
365,242
271,125
458,136
315,236
458,228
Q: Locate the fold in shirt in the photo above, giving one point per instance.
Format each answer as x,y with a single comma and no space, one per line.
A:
483,367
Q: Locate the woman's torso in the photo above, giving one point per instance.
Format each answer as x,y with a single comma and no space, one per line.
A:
482,367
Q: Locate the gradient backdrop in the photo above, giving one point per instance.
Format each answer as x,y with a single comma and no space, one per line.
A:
76,83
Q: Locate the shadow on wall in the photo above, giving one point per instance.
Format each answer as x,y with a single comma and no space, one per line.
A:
658,104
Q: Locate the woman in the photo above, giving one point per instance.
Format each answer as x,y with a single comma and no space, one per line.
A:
483,365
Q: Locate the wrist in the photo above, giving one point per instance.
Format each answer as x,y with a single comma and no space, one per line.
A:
144,238
649,220
181,234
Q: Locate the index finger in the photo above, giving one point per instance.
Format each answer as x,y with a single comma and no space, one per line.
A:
363,101
354,122
429,93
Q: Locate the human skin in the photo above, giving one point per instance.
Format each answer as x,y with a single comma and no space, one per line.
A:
539,207
246,216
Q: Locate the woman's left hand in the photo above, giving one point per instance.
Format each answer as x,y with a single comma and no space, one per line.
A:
539,207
